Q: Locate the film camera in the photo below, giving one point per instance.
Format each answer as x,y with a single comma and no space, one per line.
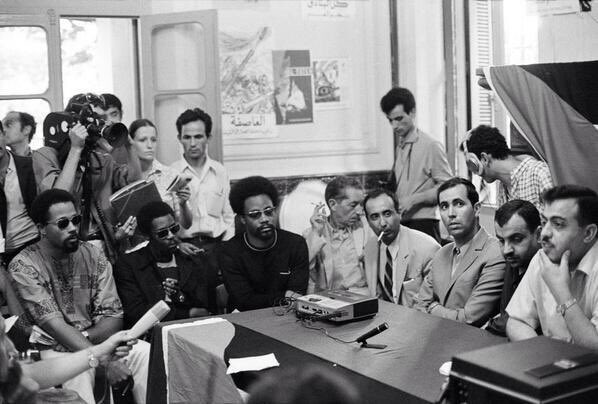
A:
81,109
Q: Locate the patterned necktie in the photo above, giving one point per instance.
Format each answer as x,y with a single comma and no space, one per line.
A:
387,285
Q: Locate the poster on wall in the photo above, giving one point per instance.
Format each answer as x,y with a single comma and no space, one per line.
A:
293,101
330,83
246,82
327,9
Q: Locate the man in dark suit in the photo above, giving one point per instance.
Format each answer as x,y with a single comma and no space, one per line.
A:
517,225
160,271
465,278
17,192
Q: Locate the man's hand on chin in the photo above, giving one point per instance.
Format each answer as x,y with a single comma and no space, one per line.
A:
557,277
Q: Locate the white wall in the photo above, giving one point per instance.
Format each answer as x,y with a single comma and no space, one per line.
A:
421,61
568,37
352,139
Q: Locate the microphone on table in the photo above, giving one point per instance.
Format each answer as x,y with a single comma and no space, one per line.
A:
362,339
152,317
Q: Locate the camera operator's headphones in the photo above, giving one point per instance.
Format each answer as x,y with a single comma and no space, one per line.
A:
471,160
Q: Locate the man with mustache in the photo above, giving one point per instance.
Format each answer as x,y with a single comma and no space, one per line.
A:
396,260
262,265
465,277
420,166
67,288
213,218
559,291
335,243
517,225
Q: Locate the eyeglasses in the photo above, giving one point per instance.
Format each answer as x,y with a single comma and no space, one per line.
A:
63,222
256,214
163,233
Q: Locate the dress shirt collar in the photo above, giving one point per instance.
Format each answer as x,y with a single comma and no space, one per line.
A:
589,262
345,229
410,137
183,165
11,163
461,250
393,247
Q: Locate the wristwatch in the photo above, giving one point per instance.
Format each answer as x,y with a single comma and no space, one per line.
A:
562,308
181,297
92,360
431,307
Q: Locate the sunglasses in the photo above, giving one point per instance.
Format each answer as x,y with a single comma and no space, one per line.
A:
63,222
163,233
256,214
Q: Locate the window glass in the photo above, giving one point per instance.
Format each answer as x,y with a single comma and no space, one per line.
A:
167,110
24,66
98,56
174,49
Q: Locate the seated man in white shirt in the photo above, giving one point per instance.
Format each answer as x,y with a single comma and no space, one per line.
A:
395,260
336,242
559,291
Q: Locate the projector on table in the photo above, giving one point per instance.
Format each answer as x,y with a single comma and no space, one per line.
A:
337,305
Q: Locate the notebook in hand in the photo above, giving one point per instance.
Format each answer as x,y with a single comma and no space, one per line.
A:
128,200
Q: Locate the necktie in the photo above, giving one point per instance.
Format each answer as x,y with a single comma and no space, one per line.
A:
387,285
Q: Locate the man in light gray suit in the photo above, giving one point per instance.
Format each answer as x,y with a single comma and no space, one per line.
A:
465,278
395,260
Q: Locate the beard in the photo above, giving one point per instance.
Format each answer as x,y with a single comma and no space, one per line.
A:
265,232
70,244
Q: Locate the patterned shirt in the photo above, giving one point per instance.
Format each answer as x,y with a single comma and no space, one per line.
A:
80,288
528,180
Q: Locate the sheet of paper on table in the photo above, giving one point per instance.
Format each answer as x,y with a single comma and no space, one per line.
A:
252,363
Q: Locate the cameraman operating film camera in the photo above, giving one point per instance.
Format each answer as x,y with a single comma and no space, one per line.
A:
79,162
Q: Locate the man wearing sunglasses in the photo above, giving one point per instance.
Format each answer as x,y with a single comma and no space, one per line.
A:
67,288
521,176
261,265
159,271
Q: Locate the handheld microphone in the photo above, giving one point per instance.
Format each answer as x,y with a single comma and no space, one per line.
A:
149,319
371,333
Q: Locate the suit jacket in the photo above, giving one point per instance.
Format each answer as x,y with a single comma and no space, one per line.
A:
416,250
139,284
472,294
24,167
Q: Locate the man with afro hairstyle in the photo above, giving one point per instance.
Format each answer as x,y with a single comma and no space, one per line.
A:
262,264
